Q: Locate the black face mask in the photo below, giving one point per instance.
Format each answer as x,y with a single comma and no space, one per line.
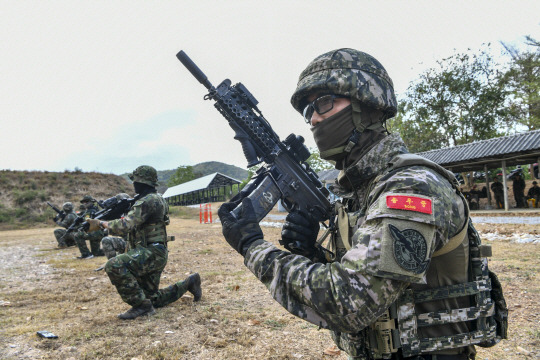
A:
143,189
332,134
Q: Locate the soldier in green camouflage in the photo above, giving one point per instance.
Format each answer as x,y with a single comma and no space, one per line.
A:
390,283
64,240
93,237
136,273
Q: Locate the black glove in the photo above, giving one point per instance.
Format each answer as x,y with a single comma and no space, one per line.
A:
242,232
299,234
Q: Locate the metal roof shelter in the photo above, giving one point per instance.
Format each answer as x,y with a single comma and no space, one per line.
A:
518,149
209,188
514,150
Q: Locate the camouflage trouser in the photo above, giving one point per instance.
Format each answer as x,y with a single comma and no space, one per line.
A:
68,240
136,275
112,246
94,238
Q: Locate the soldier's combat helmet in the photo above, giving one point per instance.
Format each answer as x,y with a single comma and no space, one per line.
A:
145,174
87,198
349,73
67,207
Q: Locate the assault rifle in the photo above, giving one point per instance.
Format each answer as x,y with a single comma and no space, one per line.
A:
60,214
285,174
113,208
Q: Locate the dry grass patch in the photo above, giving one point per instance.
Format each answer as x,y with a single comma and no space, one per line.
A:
49,289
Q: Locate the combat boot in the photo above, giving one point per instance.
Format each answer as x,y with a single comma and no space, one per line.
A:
145,308
193,283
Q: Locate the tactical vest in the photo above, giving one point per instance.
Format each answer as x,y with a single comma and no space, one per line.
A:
152,232
398,329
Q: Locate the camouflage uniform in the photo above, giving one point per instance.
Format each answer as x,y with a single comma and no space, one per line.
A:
93,237
352,292
136,273
60,234
112,246
402,243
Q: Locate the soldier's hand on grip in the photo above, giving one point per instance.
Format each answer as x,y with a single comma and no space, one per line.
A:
299,234
242,232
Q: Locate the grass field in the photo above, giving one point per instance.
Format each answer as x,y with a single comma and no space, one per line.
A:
44,288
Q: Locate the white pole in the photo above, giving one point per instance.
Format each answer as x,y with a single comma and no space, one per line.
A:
505,186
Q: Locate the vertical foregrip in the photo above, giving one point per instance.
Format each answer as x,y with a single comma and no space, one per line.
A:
247,147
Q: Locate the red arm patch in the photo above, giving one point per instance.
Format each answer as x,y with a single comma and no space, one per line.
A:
411,203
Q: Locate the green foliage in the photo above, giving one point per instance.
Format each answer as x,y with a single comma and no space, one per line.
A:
182,175
22,197
463,100
316,163
210,167
25,194
523,80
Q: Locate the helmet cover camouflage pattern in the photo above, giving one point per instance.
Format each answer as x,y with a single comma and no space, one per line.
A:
145,174
67,207
350,73
87,198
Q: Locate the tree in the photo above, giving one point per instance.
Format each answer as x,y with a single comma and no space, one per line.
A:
419,136
461,101
524,81
183,174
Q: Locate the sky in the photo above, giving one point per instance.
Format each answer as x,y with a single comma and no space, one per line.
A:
96,85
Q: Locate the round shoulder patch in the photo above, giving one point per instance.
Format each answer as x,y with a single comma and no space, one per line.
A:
410,249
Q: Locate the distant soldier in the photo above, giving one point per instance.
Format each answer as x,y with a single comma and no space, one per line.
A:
82,209
498,192
65,240
137,272
518,185
534,193
94,237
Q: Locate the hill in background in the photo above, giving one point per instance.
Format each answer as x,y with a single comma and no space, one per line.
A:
205,168
23,194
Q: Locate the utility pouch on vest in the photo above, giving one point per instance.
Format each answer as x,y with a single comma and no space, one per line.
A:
384,338
500,318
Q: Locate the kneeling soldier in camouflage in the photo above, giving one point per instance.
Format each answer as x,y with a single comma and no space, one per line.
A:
64,239
136,273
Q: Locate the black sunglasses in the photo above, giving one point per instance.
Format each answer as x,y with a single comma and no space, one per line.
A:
321,105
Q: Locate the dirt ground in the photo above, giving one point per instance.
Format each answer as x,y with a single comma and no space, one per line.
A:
44,288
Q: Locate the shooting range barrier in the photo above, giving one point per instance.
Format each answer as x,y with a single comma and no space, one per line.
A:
205,213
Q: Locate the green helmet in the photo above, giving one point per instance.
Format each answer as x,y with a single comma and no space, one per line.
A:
67,207
87,198
350,73
145,174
